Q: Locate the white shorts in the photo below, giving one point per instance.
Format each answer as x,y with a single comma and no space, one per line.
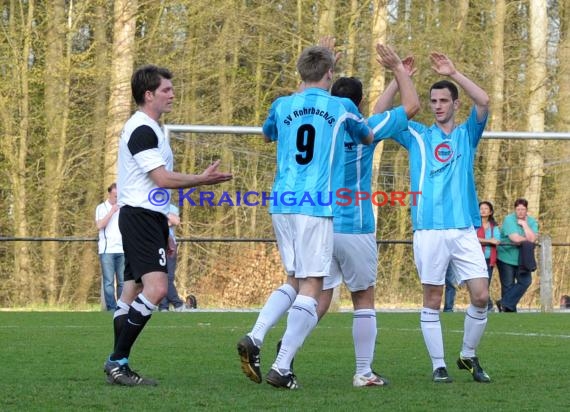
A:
305,244
355,260
434,250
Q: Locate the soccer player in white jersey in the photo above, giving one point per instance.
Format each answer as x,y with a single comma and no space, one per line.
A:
309,128
446,214
145,175
355,256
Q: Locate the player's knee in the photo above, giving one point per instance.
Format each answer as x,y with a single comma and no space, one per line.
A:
480,299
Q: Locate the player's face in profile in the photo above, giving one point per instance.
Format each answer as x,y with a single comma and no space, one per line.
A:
442,105
163,97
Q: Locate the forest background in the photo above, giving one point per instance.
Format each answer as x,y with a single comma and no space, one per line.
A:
65,94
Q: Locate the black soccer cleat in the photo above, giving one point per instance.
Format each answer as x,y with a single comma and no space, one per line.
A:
249,356
118,374
440,375
472,365
288,381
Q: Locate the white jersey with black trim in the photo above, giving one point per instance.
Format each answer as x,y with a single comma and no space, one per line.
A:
142,148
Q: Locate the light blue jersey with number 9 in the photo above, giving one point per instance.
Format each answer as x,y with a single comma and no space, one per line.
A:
309,128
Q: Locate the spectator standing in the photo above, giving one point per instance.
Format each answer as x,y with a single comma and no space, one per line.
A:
110,247
517,231
490,237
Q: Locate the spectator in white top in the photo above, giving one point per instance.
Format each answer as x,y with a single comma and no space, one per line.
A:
110,247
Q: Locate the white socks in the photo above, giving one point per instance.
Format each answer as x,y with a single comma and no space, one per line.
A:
301,321
364,331
474,326
431,330
277,304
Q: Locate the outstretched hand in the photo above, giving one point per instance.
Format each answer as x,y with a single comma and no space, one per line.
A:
387,57
441,64
408,63
212,176
329,42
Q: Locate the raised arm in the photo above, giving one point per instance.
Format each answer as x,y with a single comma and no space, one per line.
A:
442,65
409,100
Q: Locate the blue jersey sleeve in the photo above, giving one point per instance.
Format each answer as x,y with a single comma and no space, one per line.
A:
389,123
475,128
269,127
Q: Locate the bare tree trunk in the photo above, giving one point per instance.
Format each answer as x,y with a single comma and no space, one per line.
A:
300,24
537,102
119,105
492,147
57,75
28,288
326,18
227,90
462,11
352,42
90,275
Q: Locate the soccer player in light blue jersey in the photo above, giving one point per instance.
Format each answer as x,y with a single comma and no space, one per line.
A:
309,128
355,256
441,158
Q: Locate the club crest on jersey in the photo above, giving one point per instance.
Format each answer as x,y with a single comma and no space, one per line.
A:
443,152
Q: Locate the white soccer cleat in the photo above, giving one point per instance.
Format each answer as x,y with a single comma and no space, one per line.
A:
374,379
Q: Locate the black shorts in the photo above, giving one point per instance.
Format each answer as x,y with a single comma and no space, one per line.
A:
145,241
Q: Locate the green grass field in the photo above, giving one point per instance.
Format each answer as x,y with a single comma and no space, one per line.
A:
53,362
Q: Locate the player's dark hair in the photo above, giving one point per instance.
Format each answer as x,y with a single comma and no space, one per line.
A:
111,187
349,87
446,84
521,201
147,78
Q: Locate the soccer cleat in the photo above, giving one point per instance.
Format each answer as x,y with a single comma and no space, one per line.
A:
440,375
472,365
139,380
374,379
249,356
288,381
118,374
